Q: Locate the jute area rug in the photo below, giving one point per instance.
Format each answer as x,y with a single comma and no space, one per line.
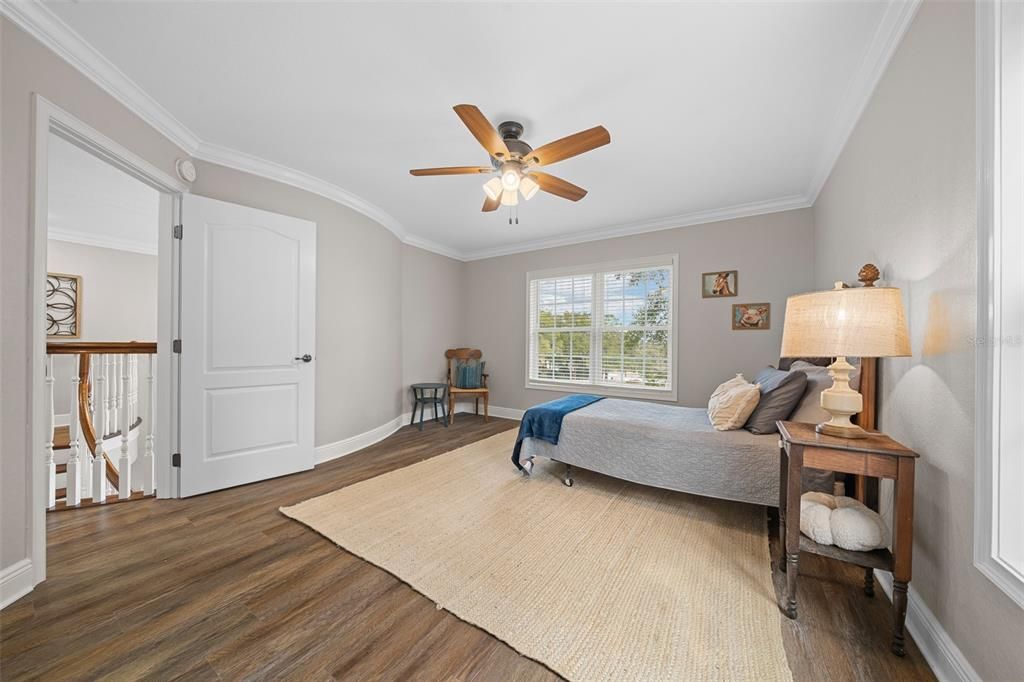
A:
602,581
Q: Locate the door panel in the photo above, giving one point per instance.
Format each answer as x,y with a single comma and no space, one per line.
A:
247,315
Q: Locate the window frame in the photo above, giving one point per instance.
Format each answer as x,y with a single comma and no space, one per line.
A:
1000,211
596,271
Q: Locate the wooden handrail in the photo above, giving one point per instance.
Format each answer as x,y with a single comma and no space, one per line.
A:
100,347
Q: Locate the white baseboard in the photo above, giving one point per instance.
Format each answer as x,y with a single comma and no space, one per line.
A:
506,412
325,453
939,650
16,581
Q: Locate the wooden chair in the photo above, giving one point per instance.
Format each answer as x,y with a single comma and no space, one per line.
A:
455,354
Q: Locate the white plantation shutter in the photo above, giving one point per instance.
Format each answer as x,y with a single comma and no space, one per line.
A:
562,328
606,329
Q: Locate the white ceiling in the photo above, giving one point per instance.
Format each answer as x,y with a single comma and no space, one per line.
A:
715,109
92,202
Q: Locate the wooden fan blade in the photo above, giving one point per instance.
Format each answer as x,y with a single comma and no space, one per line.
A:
482,130
452,170
558,186
567,147
491,204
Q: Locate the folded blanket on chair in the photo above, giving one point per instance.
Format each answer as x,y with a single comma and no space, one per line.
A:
544,421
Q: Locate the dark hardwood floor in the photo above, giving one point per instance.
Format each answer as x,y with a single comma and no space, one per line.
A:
222,586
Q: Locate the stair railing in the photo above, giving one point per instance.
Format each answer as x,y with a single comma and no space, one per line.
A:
104,397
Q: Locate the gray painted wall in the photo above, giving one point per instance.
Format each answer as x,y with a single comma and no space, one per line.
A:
773,254
903,196
433,317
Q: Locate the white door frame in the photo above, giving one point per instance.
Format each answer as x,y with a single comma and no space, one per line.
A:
49,118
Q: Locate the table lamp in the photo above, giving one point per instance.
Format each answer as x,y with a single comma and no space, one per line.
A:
864,322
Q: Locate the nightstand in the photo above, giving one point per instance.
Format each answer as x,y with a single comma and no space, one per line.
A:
876,456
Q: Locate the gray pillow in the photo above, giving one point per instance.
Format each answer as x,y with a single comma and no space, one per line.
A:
780,393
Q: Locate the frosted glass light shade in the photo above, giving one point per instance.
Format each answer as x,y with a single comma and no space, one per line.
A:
528,187
492,188
863,322
509,198
510,177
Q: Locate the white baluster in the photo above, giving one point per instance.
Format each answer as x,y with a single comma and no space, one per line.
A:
148,464
124,465
135,388
85,455
73,484
98,382
109,391
51,467
100,400
116,412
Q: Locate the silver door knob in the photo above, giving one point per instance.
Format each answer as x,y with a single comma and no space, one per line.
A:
306,358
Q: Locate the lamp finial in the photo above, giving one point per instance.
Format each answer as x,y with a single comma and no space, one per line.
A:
868,275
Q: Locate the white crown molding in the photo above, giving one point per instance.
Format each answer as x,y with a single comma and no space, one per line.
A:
888,36
223,156
682,220
45,26
940,651
75,237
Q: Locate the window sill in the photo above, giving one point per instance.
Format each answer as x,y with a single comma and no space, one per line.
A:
607,391
1003,577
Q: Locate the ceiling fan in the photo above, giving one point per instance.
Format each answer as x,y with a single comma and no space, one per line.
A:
516,162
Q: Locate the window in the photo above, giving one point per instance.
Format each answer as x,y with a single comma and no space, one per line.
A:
999,506
604,329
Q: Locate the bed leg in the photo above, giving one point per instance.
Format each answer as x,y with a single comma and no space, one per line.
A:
568,475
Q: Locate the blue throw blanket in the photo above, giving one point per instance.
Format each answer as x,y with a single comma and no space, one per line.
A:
544,421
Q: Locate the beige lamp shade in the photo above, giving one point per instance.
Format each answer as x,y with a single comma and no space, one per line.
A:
862,322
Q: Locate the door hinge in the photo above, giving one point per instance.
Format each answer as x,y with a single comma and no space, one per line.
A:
176,459
177,231
176,346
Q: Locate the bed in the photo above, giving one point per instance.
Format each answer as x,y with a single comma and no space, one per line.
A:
666,446
674,447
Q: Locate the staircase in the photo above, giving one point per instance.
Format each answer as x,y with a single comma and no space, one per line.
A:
105,399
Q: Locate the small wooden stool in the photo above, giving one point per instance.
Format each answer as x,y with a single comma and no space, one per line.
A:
427,394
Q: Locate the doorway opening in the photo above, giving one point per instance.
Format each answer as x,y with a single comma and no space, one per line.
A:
120,385
101,326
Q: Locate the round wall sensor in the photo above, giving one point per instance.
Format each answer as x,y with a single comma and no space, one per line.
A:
186,170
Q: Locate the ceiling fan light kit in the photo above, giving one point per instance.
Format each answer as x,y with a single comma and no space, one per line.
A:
514,160
509,198
493,188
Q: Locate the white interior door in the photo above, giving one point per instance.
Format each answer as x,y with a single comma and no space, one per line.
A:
248,325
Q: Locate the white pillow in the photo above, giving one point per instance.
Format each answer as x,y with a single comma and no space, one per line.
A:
841,521
737,380
732,403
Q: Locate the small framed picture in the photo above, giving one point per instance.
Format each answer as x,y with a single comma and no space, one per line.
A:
719,284
63,305
752,316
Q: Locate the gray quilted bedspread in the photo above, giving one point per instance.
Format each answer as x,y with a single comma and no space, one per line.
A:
668,447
